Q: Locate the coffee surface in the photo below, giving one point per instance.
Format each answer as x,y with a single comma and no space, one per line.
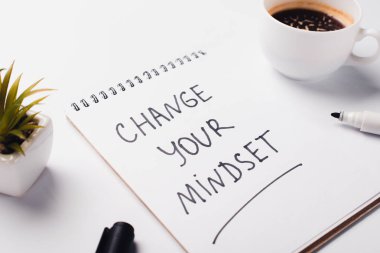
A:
307,19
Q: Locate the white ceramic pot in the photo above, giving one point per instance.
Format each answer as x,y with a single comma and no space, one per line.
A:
19,172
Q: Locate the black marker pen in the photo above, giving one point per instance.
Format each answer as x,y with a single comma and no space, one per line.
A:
118,239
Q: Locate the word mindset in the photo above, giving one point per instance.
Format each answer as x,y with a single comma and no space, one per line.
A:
227,172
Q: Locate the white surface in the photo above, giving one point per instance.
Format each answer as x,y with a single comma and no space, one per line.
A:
66,210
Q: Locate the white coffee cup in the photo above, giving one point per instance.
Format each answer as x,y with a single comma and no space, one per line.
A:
305,55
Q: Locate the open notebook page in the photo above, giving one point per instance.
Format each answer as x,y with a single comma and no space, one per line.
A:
227,154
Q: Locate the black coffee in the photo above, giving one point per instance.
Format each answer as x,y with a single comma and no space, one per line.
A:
310,20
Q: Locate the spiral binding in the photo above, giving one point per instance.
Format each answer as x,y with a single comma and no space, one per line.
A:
131,83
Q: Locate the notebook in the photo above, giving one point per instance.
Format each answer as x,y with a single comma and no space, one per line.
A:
227,154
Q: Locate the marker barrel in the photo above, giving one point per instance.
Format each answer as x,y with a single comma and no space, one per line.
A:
366,121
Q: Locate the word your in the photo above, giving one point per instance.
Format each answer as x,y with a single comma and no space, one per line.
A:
155,118
190,145
227,172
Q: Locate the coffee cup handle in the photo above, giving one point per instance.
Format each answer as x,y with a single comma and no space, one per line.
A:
355,59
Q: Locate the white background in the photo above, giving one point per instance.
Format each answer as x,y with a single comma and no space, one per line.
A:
78,195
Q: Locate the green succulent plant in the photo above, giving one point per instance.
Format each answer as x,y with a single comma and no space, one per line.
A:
16,122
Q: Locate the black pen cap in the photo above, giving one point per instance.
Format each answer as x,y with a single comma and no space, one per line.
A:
118,239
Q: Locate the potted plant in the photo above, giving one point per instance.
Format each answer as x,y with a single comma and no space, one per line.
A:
25,136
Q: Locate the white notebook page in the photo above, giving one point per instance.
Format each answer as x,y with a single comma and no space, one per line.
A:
226,154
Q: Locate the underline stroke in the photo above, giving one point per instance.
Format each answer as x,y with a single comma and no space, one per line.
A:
249,201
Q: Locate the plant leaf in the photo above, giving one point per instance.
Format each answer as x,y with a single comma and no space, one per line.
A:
27,91
8,117
17,133
28,119
22,113
29,127
12,93
39,90
35,102
16,147
4,88
0,78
